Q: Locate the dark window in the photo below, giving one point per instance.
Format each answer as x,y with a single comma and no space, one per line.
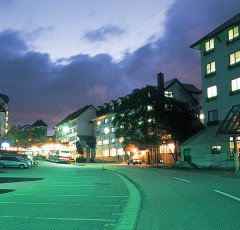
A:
212,117
236,107
216,149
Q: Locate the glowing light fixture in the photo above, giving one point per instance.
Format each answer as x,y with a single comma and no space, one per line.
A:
106,130
5,145
66,129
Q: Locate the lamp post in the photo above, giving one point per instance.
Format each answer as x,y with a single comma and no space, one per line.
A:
5,145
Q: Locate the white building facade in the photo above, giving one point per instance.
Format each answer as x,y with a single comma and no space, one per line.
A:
109,147
78,131
220,65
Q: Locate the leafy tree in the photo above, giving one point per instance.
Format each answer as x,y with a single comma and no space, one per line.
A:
134,118
146,122
25,136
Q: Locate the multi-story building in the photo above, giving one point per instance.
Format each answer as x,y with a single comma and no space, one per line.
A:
187,93
220,65
78,131
108,146
4,99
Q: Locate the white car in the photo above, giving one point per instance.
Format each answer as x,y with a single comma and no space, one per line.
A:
134,161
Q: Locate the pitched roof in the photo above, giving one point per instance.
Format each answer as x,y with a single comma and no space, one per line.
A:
188,88
191,88
39,123
5,98
75,114
231,22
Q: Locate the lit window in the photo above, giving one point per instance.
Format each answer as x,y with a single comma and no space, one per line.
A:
106,120
235,84
209,45
212,116
234,58
212,91
113,152
106,141
149,108
216,150
112,118
168,94
211,67
99,142
120,152
113,130
112,140
106,152
233,33
106,130
99,123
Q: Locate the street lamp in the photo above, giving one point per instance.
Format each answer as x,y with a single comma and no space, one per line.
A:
5,145
65,129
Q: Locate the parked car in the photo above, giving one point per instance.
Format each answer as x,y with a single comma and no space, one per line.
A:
134,161
13,161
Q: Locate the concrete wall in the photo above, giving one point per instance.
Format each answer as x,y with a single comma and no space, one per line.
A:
84,126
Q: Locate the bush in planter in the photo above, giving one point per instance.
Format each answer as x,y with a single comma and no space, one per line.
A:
81,160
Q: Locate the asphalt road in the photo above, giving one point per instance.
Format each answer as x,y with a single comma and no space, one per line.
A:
186,199
57,196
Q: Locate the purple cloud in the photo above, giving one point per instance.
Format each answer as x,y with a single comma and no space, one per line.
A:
39,88
103,33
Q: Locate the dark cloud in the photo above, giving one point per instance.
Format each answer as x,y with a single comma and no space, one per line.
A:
40,88
186,23
103,33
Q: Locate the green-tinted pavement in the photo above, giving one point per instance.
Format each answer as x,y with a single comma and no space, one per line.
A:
68,197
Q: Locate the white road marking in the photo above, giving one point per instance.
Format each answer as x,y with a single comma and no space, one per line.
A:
155,173
69,185
228,195
45,203
67,195
182,179
56,218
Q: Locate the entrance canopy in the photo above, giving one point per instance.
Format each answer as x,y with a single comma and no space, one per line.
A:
231,124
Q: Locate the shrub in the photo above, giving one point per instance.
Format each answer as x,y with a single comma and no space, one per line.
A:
81,160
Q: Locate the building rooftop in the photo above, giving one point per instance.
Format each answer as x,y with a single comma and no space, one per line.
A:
5,98
188,87
74,115
231,22
39,123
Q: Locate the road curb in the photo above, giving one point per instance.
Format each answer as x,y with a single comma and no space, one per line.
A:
130,215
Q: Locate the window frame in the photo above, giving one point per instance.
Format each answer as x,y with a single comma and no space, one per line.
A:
213,92
235,35
209,46
237,84
216,149
212,69
234,59
212,117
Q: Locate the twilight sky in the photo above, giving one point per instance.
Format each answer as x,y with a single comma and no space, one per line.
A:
57,56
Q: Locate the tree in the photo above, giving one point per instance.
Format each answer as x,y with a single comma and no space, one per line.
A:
25,136
145,123
134,118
